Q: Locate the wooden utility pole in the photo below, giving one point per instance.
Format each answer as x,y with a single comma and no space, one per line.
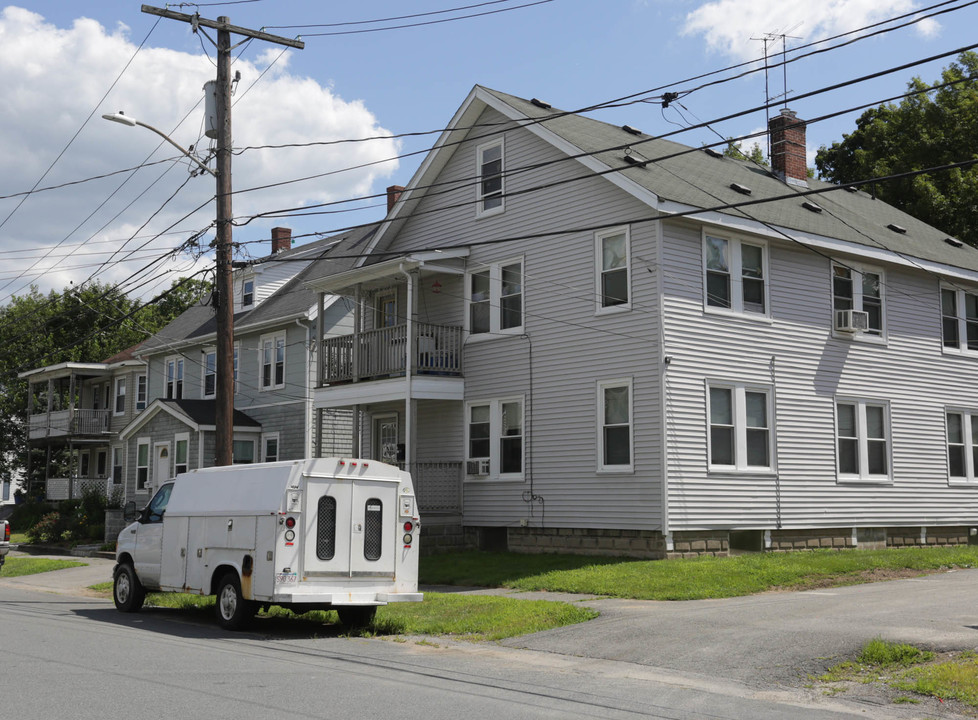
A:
224,390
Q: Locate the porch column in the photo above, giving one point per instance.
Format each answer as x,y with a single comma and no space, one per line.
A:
320,336
357,322
410,366
355,440
71,402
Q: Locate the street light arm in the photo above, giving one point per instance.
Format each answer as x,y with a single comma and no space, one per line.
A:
131,122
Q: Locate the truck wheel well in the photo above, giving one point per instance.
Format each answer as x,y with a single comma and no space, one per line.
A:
219,572
125,559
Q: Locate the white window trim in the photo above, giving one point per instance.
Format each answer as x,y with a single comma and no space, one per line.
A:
960,306
863,477
265,437
480,212
178,381
149,462
857,300
140,405
274,338
739,399
254,297
203,373
971,472
599,237
495,300
495,437
121,449
177,438
736,308
603,385
120,383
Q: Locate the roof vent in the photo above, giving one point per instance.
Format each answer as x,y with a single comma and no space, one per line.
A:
742,189
809,205
633,158
897,228
953,242
541,104
712,152
632,131
850,188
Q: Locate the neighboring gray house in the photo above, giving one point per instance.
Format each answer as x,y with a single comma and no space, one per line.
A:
274,321
82,408
571,329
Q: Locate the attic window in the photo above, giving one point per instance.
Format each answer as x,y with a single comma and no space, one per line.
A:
953,242
809,205
247,293
897,228
713,152
541,104
742,189
632,131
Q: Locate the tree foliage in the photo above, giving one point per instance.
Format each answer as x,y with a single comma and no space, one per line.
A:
924,130
90,324
754,154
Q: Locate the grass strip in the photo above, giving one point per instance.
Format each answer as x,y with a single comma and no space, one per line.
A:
19,566
689,578
465,617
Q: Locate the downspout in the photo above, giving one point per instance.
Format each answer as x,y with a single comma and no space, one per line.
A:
320,373
409,369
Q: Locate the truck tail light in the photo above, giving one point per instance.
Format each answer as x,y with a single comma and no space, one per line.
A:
6,532
408,526
290,522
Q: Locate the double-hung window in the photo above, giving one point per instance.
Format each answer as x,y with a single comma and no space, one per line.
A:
117,454
740,428
270,447
247,293
962,445
613,263
494,438
859,288
495,298
142,463
490,172
140,392
174,378
210,373
735,274
863,447
959,315
242,452
615,425
120,396
272,362
181,452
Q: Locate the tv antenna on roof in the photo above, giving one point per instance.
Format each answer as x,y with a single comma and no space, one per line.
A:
767,39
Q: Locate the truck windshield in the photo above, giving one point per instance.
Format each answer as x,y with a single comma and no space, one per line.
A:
157,506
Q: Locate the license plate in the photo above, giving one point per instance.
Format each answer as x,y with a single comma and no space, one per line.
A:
286,578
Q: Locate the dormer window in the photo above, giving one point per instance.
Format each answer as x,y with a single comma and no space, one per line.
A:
247,293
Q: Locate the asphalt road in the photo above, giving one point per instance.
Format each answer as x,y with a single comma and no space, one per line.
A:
65,655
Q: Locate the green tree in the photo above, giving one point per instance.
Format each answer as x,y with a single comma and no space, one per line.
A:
924,130
90,324
735,151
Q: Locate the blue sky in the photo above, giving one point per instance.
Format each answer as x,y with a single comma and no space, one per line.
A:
55,69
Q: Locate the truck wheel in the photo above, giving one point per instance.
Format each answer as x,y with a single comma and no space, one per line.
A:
233,611
127,592
356,616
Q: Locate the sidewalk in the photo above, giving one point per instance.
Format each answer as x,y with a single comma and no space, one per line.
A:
70,581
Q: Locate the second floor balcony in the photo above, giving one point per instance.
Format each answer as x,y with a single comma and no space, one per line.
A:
77,422
383,353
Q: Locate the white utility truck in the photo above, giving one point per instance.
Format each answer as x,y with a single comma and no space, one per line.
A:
306,534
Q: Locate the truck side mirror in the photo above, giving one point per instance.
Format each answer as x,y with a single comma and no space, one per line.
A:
130,513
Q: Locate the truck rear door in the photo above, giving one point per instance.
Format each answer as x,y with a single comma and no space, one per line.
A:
350,527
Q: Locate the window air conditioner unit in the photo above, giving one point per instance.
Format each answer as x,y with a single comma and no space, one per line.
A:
476,467
851,320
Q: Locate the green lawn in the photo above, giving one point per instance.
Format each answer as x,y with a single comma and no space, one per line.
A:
17,566
687,579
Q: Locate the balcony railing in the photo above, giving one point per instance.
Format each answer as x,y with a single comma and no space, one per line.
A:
62,423
383,353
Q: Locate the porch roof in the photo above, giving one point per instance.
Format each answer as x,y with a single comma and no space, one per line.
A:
380,274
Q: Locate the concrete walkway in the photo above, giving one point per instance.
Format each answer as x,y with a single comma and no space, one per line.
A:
70,581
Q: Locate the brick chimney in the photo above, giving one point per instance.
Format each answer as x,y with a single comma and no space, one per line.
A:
281,239
393,193
788,148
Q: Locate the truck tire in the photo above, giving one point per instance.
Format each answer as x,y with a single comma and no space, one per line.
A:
356,616
233,611
127,592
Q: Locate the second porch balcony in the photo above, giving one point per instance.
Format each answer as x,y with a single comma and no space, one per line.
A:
383,353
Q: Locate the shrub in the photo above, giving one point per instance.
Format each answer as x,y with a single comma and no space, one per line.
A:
47,529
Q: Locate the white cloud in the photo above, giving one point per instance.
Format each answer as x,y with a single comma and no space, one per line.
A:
53,78
728,25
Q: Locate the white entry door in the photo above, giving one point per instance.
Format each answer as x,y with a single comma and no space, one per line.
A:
161,467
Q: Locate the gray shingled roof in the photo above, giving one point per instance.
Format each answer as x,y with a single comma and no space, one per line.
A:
337,252
696,179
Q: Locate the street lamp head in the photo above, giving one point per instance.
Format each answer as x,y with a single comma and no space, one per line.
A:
121,118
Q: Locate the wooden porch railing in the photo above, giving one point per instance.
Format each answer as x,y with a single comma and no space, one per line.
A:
383,353
69,422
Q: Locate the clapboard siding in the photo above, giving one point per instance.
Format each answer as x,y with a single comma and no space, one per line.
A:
566,348
807,368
